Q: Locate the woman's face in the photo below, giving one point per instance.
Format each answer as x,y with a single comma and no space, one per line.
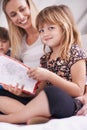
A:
19,13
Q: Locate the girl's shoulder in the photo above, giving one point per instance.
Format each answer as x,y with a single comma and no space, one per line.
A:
75,47
46,56
77,51
76,54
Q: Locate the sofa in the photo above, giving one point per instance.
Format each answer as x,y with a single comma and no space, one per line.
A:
70,123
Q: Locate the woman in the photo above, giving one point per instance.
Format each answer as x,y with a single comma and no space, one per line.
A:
25,42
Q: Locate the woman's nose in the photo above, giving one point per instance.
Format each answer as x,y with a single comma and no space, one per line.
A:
20,16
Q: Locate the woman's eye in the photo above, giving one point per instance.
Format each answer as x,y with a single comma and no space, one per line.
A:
13,14
22,9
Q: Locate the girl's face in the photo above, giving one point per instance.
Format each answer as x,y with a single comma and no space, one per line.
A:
4,46
50,35
19,13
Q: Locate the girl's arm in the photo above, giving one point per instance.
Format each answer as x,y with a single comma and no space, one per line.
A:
74,88
77,86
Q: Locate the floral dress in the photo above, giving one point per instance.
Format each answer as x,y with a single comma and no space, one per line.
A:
62,67
61,104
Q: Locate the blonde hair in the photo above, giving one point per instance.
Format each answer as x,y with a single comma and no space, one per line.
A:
61,15
16,33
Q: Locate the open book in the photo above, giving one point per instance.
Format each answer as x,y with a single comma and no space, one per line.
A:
13,72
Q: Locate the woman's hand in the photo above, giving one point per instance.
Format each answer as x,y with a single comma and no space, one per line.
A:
41,86
15,90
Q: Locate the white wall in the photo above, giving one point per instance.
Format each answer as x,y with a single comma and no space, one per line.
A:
78,7
2,17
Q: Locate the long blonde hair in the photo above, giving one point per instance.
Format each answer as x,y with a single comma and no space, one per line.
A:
61,15
16,33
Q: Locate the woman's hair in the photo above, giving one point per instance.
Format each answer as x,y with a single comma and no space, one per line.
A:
16,33
4,35
61,15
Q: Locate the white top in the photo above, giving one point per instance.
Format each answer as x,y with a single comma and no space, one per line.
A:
31,53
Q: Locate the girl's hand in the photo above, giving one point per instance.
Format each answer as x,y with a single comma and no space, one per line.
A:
83,98
39,74
83,110
15,90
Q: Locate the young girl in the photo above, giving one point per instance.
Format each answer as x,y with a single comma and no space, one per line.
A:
4,43
64,69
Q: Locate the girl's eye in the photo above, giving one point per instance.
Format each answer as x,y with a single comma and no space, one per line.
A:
41,30
4,41
51,28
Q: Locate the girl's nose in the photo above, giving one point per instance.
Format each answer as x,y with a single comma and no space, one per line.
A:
46,32
1,44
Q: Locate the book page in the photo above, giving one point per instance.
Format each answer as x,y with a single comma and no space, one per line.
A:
13,72
86,80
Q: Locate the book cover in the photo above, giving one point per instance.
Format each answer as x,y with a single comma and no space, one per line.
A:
13,71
